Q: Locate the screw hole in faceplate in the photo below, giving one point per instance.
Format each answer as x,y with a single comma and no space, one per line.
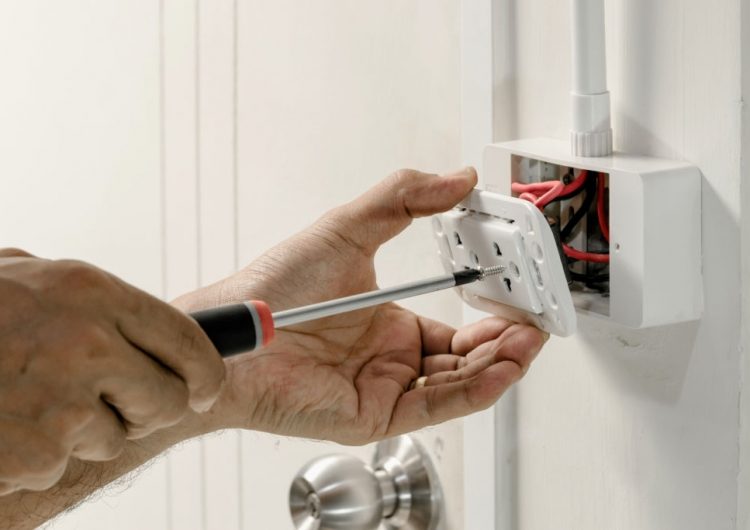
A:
437,226
514,271
457,239
538,280
497,249
552,299
538,253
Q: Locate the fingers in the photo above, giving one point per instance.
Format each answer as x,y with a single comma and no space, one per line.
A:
388,208
436,336
473,387
444,347
145,395
469,337
517,343
101,438
177,342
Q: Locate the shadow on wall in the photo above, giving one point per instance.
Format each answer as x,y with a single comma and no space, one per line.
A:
654,362
505,68
651,362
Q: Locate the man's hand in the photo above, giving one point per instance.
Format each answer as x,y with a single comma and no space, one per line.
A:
86,363
348,378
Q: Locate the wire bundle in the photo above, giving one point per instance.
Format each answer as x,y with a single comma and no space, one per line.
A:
542,194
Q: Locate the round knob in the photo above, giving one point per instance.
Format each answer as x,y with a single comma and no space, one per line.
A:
336,492
339,492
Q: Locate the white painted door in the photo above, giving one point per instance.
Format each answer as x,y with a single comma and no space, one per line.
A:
173,141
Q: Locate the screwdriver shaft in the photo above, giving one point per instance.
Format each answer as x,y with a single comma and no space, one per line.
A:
360,301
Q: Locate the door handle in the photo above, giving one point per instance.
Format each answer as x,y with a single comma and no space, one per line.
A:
399,490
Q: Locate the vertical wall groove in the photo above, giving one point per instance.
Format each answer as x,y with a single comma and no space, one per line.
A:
235,210
198,221
163,224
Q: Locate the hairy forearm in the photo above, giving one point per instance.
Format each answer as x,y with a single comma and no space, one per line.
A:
29,509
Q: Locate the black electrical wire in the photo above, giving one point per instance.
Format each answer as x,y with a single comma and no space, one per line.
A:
589,278
579,214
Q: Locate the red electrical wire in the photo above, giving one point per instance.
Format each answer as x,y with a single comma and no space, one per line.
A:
576,184
579,255
555,188
518,187
600,204
551,192
554,192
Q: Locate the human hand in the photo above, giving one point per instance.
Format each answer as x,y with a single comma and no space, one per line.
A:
347,378
86,363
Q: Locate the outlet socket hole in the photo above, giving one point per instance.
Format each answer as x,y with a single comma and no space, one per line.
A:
457,239
474,258
496,248
538,253
538,280
508,286
514,271
437,226
552,300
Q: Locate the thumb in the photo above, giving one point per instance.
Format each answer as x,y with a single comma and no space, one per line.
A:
389,207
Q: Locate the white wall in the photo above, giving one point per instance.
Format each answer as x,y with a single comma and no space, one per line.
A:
618,428
172,141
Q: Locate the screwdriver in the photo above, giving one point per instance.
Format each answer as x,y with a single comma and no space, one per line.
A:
238,328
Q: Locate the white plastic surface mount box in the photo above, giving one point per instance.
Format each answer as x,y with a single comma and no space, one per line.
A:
655,271
486,230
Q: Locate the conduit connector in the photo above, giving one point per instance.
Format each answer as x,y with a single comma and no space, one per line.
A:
591,133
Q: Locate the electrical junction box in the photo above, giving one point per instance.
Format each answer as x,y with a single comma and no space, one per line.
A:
653,206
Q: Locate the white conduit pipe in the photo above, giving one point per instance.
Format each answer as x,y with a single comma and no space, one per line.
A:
591,133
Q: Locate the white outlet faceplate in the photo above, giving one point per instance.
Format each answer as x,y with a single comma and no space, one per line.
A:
655,268
488,229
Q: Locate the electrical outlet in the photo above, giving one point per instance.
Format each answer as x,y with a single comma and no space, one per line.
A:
488,229
653,275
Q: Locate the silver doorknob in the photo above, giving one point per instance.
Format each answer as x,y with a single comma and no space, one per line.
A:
400,490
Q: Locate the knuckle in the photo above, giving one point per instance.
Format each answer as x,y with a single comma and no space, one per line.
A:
62,422
92,337
77,275
111,446
404,176
50,458
13,252
167,406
